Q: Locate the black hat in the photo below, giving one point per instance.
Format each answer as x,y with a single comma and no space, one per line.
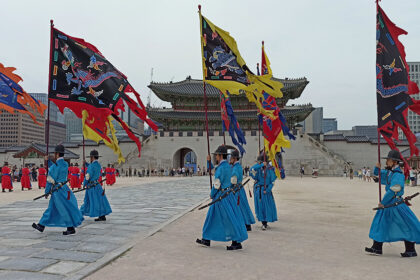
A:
235,154
221,150
59,149
262,157
94,153
6,163
394,155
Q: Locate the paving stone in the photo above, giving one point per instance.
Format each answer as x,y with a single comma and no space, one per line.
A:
69,255
57,244
18,251
25,263
19,242
22,275
64,267
95,247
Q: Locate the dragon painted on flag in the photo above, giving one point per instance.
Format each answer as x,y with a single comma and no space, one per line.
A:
13,98
84,81
393,84
230,123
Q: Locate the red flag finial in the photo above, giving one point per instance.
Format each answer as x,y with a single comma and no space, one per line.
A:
199,8
263,43
52,22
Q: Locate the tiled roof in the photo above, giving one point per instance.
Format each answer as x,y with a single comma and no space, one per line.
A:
42,148
293,88
357,139
164,114
334,137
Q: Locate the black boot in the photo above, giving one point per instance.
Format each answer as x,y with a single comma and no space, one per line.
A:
3,190
38,227
70,230
101,218
248,228
410,250
10,190
376,248
235,246
203,241
264,225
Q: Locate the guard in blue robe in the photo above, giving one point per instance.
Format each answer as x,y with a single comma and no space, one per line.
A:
62,209
240,196
95,203
224,221
397,223
265,206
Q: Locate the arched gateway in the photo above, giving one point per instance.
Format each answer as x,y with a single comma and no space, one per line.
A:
185,157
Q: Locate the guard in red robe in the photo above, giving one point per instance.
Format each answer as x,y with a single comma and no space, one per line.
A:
108,175
100,177
70,169
42,177
25,181
114,175
74,179
82,173
6,178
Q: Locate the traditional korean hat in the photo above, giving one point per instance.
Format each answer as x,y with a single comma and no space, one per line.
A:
394,155
94,153
235,154
221,150
262,157
59,149
6,163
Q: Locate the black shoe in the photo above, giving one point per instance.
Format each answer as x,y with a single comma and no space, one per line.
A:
38,227
100,219
22,189
10,190
248,228
3,190
203,241
373,251
70,230
235,246
39,187
408,254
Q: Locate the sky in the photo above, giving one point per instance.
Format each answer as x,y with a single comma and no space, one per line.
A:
330,42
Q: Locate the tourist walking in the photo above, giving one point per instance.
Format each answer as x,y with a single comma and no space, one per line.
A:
265,206
62,209
6,178
223,222
368,177
95,203
398,222
240,196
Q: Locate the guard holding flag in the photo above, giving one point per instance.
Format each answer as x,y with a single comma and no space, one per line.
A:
62,209
240,196
396,223
223,221
264,176
95,203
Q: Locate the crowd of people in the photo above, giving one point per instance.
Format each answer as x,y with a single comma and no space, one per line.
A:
30,174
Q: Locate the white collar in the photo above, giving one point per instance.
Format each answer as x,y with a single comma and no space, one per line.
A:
60,158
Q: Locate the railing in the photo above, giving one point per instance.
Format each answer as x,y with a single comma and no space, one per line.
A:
324,149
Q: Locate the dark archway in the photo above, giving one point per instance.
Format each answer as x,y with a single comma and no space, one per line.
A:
185,157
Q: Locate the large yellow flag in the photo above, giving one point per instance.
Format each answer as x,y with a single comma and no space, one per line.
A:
225,69
107,136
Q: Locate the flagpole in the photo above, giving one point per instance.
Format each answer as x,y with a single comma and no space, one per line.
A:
49,89
221,114
259,126
205,98
379,135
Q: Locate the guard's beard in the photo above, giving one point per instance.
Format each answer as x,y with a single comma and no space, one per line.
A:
217,162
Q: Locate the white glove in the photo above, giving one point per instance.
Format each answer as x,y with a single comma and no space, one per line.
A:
234,180
50,180
87,177
217,184
395,188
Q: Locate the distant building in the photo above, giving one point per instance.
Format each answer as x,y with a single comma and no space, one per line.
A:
57,133
73,126
329,124
313,123
55,114
412,118
371,131
19,129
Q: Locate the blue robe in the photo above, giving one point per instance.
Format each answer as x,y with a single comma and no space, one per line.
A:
62,209
397,223
95,203
265,206
224,221
246,212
